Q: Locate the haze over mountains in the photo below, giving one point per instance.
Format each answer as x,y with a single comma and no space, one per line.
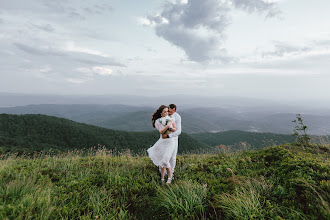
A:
199,114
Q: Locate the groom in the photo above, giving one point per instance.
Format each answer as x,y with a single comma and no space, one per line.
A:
175,134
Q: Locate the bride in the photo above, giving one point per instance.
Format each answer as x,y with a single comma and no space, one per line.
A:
160,153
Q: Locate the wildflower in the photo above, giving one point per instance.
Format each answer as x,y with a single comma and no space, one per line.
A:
230,170
71,193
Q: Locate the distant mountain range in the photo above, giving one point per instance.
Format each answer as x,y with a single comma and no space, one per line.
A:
194,120
184,102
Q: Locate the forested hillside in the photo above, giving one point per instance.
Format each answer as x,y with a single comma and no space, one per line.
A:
40,132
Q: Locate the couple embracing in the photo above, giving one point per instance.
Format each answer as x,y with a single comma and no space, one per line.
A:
163,153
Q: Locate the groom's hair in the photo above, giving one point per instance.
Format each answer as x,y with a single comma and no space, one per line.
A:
172,106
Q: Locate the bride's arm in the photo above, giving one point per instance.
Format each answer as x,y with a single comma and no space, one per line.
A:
162,131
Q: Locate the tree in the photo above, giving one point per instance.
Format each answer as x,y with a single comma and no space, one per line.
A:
300,131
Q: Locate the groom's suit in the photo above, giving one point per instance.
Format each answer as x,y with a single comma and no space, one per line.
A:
175,135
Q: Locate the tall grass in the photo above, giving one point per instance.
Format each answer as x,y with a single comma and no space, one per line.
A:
251,200
98,184
69,185
183,200
247,200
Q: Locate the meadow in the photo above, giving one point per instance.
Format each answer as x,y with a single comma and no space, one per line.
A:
280,182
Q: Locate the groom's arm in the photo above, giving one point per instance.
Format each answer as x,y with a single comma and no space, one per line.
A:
178,128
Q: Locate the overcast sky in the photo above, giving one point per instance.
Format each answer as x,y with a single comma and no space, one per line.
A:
272,49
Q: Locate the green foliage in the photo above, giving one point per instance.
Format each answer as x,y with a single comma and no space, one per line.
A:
30,133
252,199
247,202
183,200
300,131
281,182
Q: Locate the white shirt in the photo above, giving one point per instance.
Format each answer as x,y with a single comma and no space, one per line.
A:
176,133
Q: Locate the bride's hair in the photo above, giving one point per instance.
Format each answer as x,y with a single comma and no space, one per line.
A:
157,114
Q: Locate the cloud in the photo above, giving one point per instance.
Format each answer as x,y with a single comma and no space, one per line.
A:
85,56
289,52
46,51
282,49
99,8
99,70
198,27
308,58
46,27
45,41
58,64
102,71
75,81
78,10
259,6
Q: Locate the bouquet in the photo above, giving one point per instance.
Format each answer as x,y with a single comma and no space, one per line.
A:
164,121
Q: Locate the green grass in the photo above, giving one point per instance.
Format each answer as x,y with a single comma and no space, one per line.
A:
281,182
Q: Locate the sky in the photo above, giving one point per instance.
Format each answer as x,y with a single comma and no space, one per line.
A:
266,49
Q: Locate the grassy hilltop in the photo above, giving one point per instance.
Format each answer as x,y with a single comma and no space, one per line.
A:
287,181
280,182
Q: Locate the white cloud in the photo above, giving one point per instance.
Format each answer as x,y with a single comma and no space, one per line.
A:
102,71
45,69
75,81
71,46
283,51
83,70
144,21
259,6
198,27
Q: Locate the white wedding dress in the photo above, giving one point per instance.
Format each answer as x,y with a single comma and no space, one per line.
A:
161,152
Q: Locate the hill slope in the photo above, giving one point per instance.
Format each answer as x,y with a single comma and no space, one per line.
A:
40,132
237,139
281,182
